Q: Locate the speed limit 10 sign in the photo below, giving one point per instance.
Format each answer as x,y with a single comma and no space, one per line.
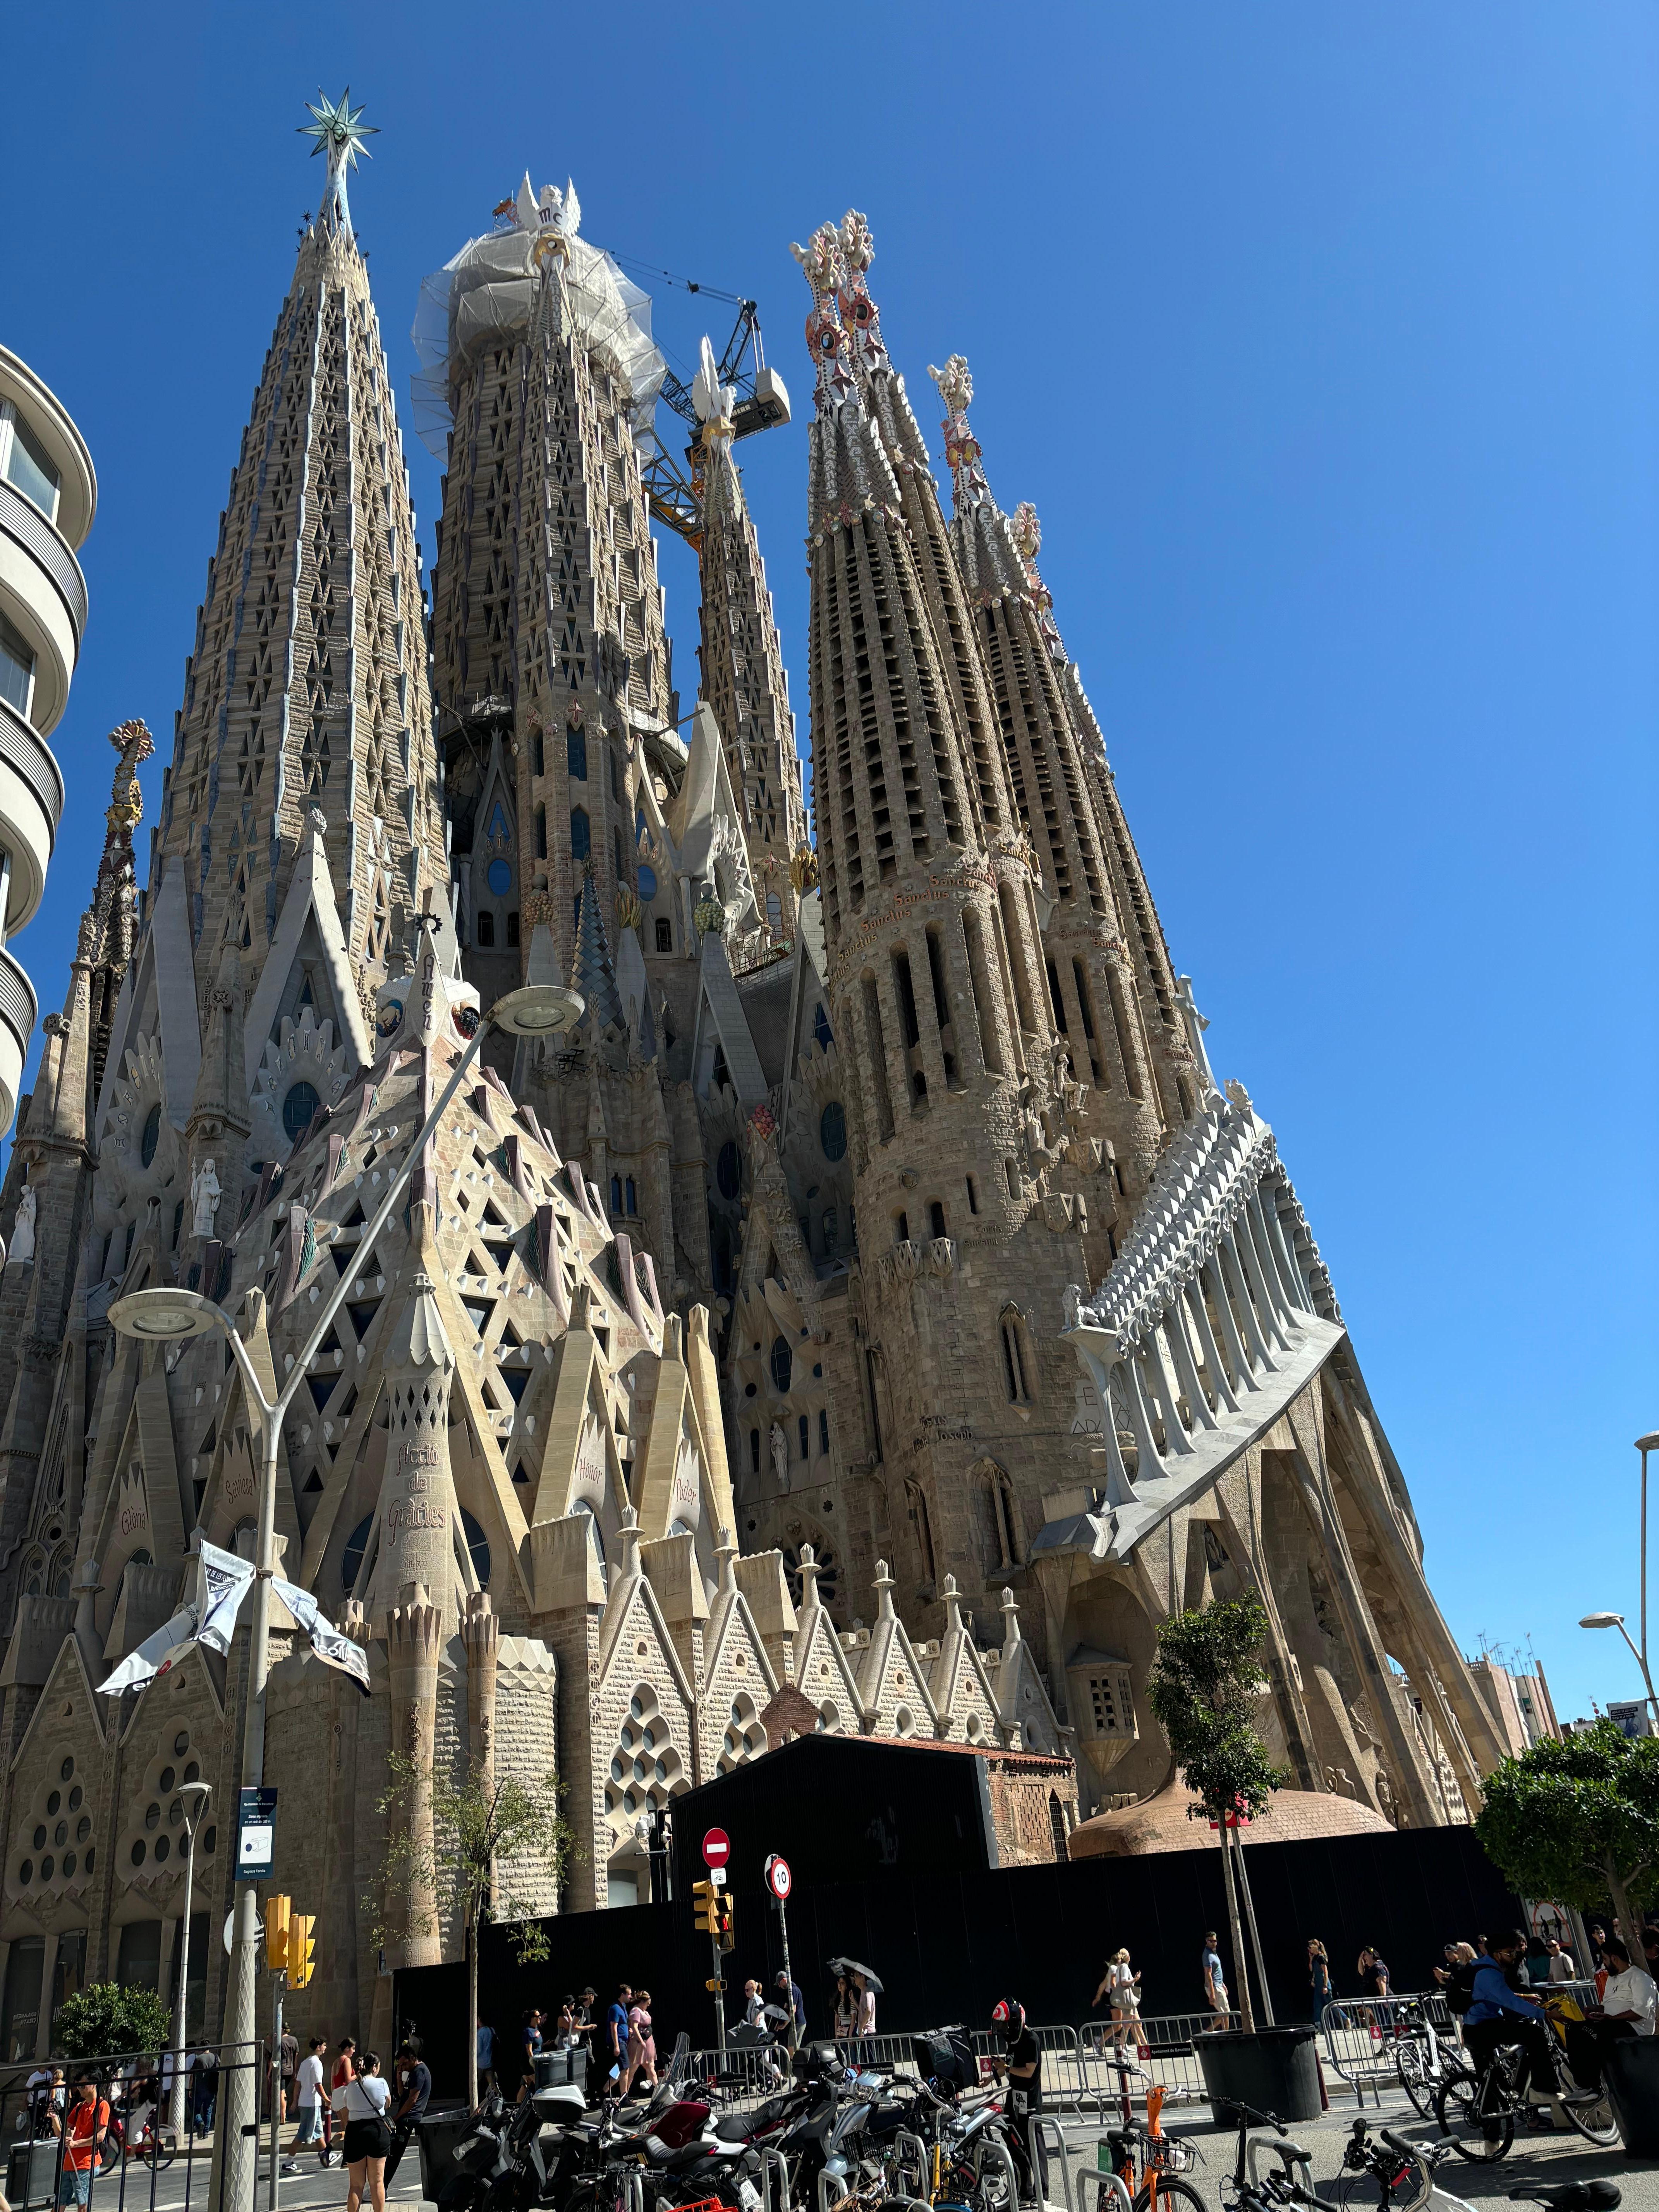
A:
779,1880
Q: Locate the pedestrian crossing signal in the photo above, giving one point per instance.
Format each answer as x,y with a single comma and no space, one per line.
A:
301,1944
723,1920
277,1911
709,1907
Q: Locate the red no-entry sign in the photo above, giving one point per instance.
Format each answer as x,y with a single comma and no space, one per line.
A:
716,1848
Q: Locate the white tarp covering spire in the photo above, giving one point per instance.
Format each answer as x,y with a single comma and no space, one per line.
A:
485,295
224,1579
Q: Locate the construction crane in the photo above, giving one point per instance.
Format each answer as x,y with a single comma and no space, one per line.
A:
763,404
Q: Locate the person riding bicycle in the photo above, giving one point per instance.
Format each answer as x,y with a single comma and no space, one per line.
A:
1021,2066
1497,2016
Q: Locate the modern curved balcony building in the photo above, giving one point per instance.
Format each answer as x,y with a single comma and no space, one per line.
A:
48,495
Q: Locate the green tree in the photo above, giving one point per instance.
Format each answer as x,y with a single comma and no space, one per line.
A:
105,2019
491,1836
1205,1686
1577,1821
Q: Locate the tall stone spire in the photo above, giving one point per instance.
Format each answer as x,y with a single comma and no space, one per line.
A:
306,691
1094,983
548,623
936,990
1173,1072
743,671
49,1183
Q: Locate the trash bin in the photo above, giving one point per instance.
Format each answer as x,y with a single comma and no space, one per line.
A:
437,2135
556,2068
1272,2069
1631,2069
32,2174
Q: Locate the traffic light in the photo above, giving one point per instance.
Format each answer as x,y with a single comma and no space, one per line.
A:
723,1916
301,1943
277,1909
709,1907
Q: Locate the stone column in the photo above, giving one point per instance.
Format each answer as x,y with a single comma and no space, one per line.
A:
481,1631
415,1637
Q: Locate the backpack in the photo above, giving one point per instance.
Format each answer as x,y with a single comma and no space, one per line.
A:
1459,1990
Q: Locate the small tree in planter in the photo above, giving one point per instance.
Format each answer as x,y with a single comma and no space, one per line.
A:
1578,1821
1204,1686
491,1829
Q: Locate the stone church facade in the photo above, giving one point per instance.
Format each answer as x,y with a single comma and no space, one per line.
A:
873,1316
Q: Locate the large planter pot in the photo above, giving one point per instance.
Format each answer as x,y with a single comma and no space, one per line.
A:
1273,2070
1631,2069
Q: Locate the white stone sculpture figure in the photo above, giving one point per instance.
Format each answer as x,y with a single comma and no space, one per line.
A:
779,1456
22,1231
204,1198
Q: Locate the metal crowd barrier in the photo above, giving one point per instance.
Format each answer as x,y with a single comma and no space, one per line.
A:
1363,2034
140,2144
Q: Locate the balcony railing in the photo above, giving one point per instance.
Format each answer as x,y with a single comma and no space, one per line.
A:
18,1004
27,753
23,522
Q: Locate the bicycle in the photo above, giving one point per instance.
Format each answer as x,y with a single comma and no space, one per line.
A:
1420,2058
1478,2108
1147,2165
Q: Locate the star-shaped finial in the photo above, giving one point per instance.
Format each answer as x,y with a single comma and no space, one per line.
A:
340,131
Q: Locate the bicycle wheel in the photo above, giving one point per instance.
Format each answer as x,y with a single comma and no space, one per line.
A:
1592,2116
1160,2190
1414,2078
1480,2120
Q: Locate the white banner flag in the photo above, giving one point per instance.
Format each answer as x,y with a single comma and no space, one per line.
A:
331,1645
222,1580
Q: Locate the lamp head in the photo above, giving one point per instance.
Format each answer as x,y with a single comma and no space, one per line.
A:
537,1010
196,1790
158,1315
1650,1442
1602,1620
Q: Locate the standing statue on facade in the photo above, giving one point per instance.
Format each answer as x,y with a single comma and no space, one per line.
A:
779,1456
204,1198
23,1230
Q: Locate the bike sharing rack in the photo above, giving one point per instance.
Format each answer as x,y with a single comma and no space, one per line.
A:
1050,2155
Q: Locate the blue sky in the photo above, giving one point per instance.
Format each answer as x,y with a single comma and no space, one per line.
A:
1324,340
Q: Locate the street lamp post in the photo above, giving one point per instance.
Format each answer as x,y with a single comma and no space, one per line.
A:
160,1316
195,1794
1645,1445
1617,1620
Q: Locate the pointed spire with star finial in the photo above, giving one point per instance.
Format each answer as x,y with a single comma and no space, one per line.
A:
339,130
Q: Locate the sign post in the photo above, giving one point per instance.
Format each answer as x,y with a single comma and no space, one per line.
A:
716,1850
781,1881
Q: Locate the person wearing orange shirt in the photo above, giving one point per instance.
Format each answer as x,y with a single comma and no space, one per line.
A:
84,2130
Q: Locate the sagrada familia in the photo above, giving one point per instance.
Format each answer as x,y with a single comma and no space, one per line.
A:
873,1316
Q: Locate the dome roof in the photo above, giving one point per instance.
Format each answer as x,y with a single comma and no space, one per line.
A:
1161,1823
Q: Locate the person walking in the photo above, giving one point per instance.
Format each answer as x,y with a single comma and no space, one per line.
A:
308,2089
415,2091
863,2028
486,2059
283,2071
1373,1973
616,2033
86,2125
361,2101
529,2045
789,1996
844,2011
345,2068
642,2066
1120,1986
1215,1981
206,2086
1319,1979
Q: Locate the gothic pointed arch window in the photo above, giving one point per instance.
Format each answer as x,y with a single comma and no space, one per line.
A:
1007,1542
1019,1368
580,833
576,752
920,1515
